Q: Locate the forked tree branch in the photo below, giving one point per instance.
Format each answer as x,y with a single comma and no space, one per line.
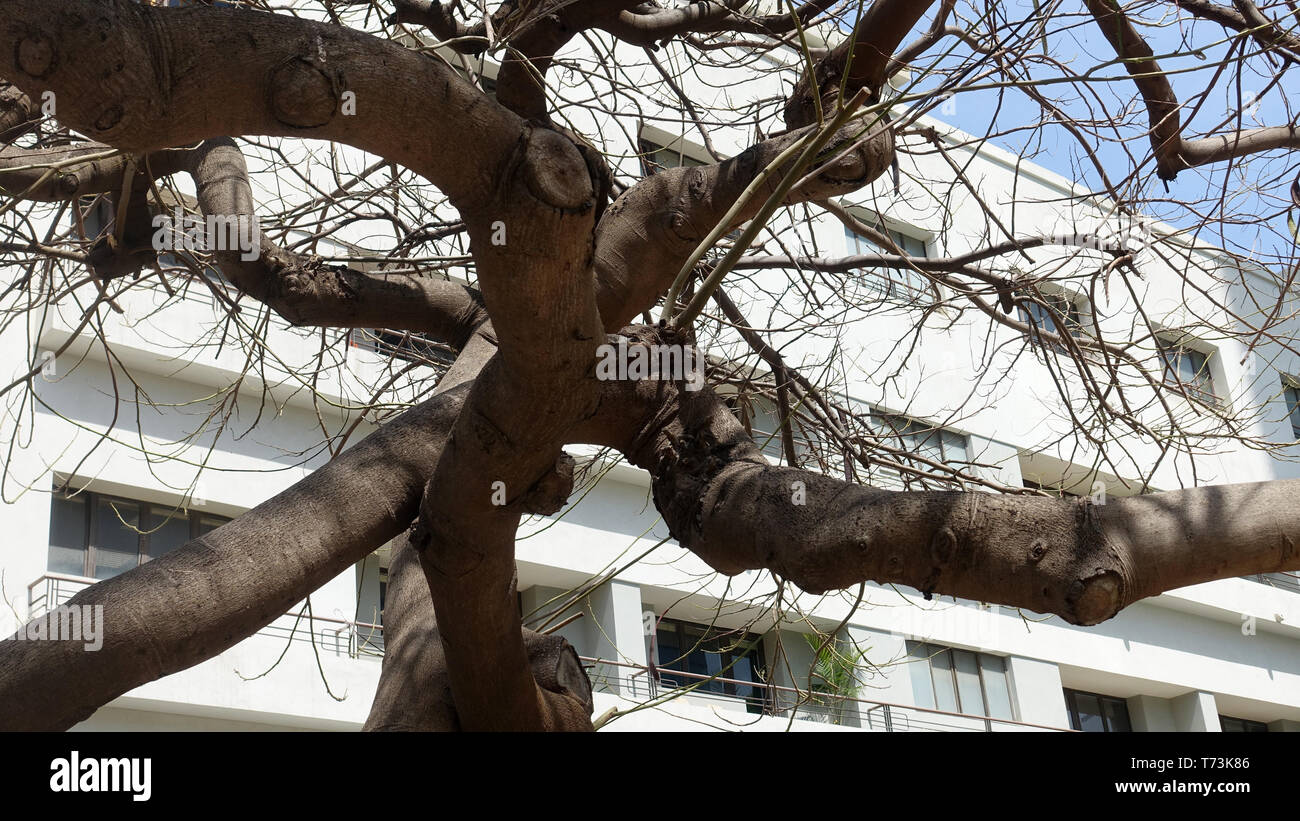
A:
1172,151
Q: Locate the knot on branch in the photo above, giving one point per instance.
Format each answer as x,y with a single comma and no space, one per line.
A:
552,491
1095,599
557,668
855,159
302,94
300,285
556,172
36,54
1101,571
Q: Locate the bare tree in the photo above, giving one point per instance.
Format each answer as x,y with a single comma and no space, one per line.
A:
517,244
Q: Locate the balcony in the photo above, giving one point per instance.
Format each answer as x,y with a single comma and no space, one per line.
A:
1282,581
640,684
333,636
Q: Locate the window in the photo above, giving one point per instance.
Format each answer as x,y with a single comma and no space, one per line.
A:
912,436
1055,491
703,652
1282,581
1041,312
1095,713
1241,725
372,594
96,215
410,347
656,158
1189,369
1291,393
959,681
920,438
100,536
903,285
762,419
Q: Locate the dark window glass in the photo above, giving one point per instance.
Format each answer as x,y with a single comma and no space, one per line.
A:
1095,713
1292,396
68,535
116,537
171,529
1116,712
735,657
207,524
1088,714
1190,369
409,347
102,536
1241,725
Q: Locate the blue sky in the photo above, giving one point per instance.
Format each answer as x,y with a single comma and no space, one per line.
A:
1077,42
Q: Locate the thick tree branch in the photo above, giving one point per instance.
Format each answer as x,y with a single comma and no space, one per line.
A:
414,691
18,113
58,174
203,598
650,231
143,79
1081,561
307,291
861,61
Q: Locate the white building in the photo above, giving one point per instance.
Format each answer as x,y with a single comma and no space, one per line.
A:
1218,656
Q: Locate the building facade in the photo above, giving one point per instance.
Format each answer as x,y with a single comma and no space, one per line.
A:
115,458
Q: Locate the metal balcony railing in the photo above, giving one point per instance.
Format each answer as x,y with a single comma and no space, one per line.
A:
638,683
1282,581
333,636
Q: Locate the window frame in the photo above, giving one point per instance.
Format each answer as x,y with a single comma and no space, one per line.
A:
1069,306
1202,387
403,345
1072,708
894,280
147,527
1291,397
752,406
647,148
754,651
915,439
925,652
1246,725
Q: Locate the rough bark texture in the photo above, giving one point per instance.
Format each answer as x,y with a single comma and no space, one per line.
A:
174,89
195,602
